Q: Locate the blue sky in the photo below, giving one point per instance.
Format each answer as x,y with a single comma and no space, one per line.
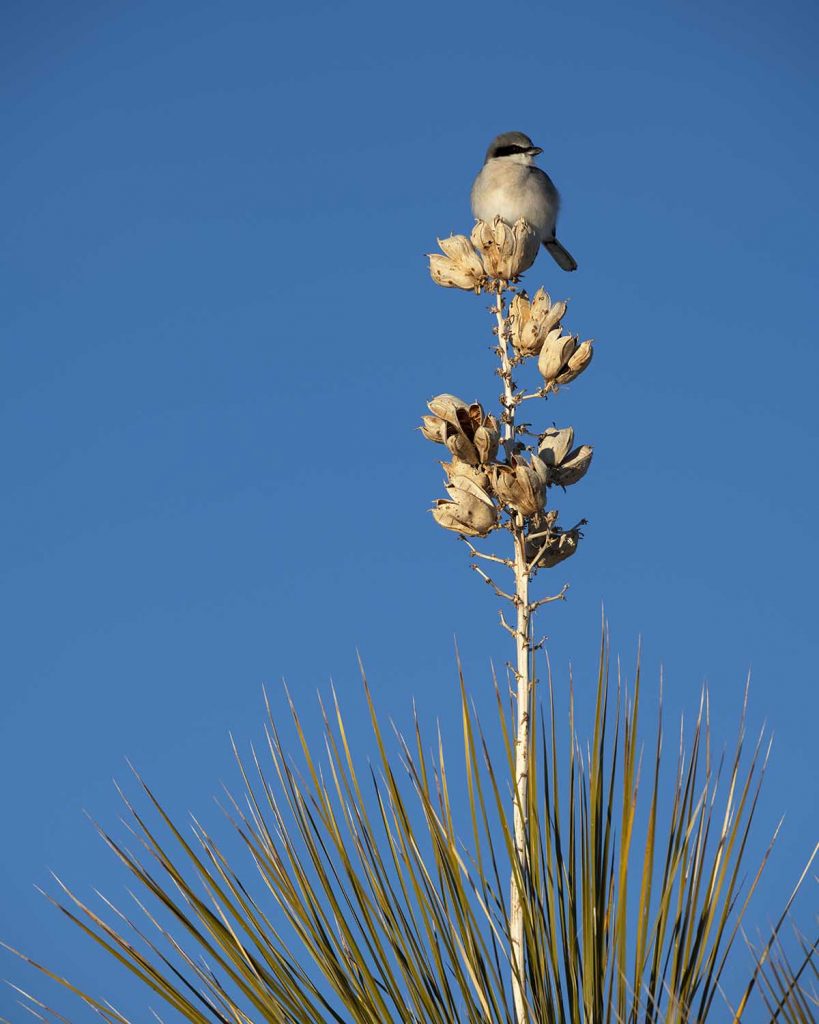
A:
218,335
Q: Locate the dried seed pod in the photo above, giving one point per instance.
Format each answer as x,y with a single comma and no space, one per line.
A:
573,467
487,439
549,544
546,313
533,321
542,470
449,275
556,549
519,485
471,417
458,247
494,242
456,468
565,466
554,355
469,509
434,429
470,487
555,445
576,363
459,267
506,251
446,406
524,342
462,447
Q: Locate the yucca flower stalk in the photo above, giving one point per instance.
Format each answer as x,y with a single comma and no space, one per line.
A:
510,492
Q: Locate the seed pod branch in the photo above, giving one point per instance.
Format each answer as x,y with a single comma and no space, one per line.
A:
548,600
490,582
540,393
482,554
505,624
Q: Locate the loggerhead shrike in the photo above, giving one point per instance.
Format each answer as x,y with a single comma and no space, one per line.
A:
509,186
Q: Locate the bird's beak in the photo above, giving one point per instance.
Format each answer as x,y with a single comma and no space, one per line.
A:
534,151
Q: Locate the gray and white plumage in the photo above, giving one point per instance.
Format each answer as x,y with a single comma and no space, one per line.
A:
510,186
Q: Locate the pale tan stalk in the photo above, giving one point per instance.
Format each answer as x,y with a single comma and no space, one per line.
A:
523,678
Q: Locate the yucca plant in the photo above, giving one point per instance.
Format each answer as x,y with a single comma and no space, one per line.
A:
563,890
373,907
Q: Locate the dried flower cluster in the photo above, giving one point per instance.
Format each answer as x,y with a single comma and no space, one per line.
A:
496,255
536,331
469,434
480,486
495,251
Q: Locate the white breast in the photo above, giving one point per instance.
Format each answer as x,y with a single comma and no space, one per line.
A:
508,190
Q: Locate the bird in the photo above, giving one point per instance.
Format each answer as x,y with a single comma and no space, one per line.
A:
510,186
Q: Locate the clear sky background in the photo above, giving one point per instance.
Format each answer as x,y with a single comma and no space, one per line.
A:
218,335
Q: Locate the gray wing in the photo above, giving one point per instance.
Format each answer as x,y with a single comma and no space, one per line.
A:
562,257
545,182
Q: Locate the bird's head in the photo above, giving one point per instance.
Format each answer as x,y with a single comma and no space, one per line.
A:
513,146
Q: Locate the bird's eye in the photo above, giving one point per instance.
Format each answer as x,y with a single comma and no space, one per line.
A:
509,150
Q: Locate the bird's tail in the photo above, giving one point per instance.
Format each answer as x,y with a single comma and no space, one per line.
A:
562,257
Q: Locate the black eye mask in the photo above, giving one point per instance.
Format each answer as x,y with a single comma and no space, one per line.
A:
510,150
